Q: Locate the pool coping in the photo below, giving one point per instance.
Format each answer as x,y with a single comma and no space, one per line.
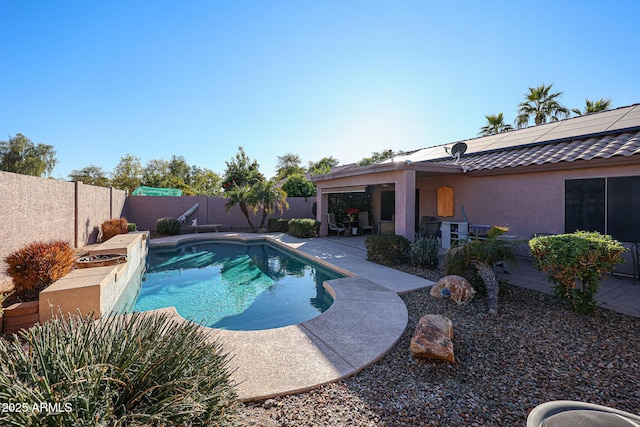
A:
363,324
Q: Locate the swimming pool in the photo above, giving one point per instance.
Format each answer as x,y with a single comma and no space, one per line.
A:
235,286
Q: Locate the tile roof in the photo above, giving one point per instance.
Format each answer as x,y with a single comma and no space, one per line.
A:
599,135
623,144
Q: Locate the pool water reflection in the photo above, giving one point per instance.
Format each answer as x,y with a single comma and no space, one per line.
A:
234,286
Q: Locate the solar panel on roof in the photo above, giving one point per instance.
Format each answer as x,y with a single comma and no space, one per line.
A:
577,127
631,119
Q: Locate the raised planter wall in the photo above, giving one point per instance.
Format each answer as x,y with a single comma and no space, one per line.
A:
95,291
20,315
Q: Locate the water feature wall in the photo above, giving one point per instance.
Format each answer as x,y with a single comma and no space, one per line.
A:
96,291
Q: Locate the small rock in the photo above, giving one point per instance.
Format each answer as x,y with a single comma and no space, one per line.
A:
461,289
269,403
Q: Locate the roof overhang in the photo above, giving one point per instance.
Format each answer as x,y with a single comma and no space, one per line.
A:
350,189
388,167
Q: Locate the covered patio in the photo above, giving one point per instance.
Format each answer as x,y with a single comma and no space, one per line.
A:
396,197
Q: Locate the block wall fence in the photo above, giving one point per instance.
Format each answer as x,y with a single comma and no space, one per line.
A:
145,210
40,209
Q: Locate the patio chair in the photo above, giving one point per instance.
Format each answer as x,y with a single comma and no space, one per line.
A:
333,225
363,218
422,228
433,230
429,228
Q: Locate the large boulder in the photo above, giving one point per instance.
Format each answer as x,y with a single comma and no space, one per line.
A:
433,338
461,289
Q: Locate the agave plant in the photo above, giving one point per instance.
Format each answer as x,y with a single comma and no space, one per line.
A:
138,369
483,254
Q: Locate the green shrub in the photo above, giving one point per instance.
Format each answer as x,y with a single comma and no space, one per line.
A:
386,249
424,253
37,265
278,225
131,226
113,227
122,370
303,227
168,226
581,257
297,185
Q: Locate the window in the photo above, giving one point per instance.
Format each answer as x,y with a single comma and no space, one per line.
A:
623,205
605,205
584,205
387,205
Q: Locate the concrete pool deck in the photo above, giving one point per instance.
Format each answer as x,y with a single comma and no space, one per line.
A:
364,323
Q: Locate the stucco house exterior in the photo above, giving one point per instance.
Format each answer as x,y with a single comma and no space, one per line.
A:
579,173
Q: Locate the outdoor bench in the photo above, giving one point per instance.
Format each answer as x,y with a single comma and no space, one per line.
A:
215,227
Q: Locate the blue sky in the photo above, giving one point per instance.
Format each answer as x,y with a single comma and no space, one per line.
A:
99,80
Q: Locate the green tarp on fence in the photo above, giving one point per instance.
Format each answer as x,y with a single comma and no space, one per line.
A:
151,191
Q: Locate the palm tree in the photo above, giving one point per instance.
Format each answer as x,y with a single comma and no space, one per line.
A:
242,196
601,104
542,105
483,254
265,194
287,165
495,124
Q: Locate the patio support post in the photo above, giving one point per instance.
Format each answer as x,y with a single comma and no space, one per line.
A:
405,204
322,209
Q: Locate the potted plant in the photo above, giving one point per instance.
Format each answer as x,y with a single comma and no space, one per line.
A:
352,214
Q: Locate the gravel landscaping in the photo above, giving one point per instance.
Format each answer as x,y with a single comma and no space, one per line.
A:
535,350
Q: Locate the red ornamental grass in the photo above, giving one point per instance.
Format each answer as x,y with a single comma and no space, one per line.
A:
113,227
37,265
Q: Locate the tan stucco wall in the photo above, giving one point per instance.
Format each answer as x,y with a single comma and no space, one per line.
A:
528,202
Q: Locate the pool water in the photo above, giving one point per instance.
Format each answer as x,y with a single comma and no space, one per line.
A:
234,286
